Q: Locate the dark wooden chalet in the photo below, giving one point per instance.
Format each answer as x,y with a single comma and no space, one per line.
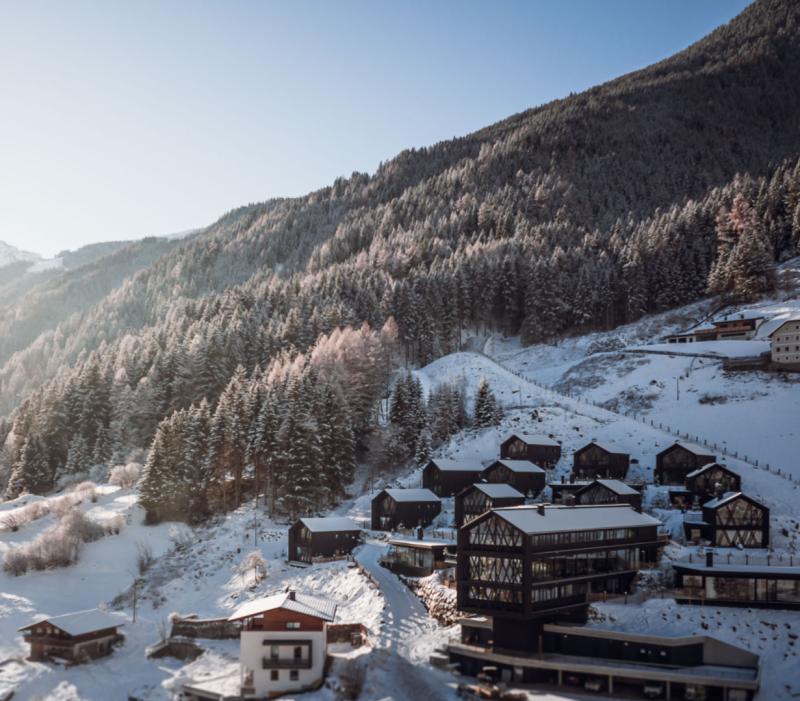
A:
540,449
408,508
74,637
523,475
525,565
712,480
757,586
673,464
600,460
416,557
322,538
561,490
609,492
446,478
479,498
731,520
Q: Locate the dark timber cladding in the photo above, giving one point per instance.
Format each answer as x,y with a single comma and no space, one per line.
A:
523,475
673,464
447,477
600,460
731,520
75,637
535,563
712,480
392,508
311,538
609,492
757,586
479,498
543,450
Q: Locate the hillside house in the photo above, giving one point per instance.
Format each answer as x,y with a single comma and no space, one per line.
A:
526,565
609,492
322,538
600,460
73,637
409,508
523,475
738,326
540,449
480,498
282,646
445,478
674,463
785,344
561,491
731,520
417,557
712,480
757,586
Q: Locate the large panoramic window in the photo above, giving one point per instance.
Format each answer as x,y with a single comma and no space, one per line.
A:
505,570
496,532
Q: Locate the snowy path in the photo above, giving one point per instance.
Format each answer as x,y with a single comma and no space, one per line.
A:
397,672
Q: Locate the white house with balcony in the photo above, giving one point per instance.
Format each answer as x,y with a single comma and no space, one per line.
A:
785,343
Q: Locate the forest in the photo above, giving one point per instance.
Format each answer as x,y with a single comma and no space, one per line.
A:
226,353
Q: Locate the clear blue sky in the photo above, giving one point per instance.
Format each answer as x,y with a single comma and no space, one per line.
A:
121,120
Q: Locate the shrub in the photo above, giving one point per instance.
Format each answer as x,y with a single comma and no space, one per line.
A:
10,522
86,491
144,556
125,476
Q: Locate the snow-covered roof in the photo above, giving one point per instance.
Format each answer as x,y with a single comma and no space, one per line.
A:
417,543
691,447
695,518
608,447
457,465
775,570
82,622
525,466
708,466
535,439
724,499
411,494
615,486
329,524
745,315
768,328
498,491
290,601
576,483
557,518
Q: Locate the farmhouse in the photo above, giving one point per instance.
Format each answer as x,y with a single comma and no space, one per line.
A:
392,508
609,492
416,557
617,664
540,449
282,647
739,326
731,520
674,463
600,460
523,475
447,477
785,344
316,538
479,498
525,565
757,586
712,480
74,637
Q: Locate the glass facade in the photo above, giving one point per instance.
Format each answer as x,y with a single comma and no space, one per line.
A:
584,564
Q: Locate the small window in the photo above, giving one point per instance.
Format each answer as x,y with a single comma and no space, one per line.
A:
294,675
298,653
273,675
292,625
273,652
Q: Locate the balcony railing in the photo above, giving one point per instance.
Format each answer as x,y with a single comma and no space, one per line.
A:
285,663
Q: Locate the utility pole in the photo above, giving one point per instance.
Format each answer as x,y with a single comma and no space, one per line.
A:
678,388
135,585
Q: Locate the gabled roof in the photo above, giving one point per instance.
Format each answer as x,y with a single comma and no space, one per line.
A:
520,466
726,498
691,447
457,465
558,519
710,466
615,486
428,544
606,446
329,524
289,601
777,324
81,622
535,439
498,491
411,494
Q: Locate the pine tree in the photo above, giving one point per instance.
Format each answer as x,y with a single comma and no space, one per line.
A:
487,410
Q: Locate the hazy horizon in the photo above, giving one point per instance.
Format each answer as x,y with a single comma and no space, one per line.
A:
129,121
